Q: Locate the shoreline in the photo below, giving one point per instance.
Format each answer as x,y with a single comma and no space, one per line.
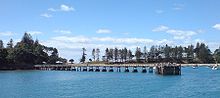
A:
138,65
198,64
100,65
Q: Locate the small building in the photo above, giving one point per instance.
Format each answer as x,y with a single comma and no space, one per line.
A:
168,69
59,62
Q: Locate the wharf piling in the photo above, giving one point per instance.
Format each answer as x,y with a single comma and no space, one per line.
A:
135,69
111,69
144,70
104,69
90,69
126,69
151,69
118,69
97,69
84,68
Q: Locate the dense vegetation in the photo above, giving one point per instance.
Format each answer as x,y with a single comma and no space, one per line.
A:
190,54
26,53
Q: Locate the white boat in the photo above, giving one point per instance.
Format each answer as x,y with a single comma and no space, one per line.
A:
195,66
216,67
154,68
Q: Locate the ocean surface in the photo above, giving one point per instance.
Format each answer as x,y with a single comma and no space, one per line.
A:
193,83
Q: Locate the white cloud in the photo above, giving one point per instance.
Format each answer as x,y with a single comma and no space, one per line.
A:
216,26
73,39
77,42
199,40
46,15
70,46
7,33
160,28
66,8
121,40
200,31
35,32
63,7
178,6
159,11
52,10
103,31
63,31
177,34
211,44
180,34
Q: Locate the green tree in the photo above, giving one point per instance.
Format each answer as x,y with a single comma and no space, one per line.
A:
180,53
167,51
38,51
11,56
97,54
63,60
130,55
93,54
120,55
145,53
125,52
83,59
10,44
152,51
116,54
27,39
175,52
28,52
204,54
3,56
111,53
23,51
217,55
1,44
53,58
138,54
190,53
71,61
107,54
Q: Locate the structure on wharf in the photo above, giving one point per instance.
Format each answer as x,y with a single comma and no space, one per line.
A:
168,69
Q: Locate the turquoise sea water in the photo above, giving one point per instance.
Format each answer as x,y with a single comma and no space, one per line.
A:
193,83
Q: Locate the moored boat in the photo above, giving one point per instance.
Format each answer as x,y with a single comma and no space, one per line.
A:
215,67
195,66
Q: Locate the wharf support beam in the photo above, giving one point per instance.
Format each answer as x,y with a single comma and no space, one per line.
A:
161,68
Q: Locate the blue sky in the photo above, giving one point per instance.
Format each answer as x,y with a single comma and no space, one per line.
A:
70,25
